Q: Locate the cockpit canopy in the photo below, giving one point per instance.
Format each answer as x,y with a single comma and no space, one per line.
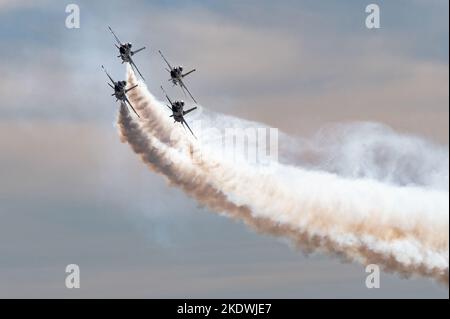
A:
179,104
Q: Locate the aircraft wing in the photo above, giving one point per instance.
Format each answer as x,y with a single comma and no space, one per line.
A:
165,59
190,110
184,121
138,50
126,99
108,75
115,36
167,97
182,89
188,73
184,86
134,66
127,90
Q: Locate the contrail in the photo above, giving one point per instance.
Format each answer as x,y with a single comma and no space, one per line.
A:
403,229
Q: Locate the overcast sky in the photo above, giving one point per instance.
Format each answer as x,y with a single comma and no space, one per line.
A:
70,192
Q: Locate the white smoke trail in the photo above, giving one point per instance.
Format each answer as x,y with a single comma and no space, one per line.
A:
374,151
403,229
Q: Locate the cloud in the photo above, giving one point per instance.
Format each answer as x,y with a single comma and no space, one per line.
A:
248,59
412,98
319,60
11,5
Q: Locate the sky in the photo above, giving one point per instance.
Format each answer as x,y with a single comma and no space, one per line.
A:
71,192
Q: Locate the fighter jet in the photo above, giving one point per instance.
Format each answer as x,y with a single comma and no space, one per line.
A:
177,111
120,91
177,75
125,52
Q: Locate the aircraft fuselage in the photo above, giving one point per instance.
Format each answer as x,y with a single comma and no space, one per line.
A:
176,73
125,52
177,110
119,92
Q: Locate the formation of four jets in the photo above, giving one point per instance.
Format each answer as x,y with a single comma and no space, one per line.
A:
176,78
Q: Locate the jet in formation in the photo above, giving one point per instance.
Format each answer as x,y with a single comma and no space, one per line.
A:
120,90
177,76
125,52
178,112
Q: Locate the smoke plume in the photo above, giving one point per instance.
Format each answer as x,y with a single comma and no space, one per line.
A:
391,209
